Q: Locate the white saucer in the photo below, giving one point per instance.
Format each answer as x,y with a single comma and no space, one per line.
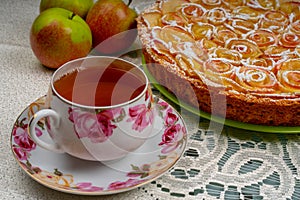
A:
71,175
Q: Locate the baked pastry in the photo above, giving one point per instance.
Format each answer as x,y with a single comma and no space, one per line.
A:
238,59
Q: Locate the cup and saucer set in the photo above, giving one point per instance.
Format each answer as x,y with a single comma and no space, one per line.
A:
73,147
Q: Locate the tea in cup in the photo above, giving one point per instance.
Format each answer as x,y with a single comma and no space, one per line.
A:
99,108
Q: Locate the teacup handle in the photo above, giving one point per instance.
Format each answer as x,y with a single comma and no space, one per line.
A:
33,123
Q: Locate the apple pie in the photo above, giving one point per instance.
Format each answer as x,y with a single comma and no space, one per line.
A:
238,59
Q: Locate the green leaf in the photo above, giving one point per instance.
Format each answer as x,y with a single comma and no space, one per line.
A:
162,157
120,117
135,168
41,125
146,167
58,173
144,175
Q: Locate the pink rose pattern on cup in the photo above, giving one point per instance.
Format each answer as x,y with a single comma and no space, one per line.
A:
172,139
141,116
99,126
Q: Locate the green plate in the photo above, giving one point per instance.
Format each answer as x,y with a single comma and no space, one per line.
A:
227,122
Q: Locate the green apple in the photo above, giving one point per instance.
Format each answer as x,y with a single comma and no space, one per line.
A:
58,35
79,7
113,25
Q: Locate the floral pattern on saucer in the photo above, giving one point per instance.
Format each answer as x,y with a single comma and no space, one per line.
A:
130,172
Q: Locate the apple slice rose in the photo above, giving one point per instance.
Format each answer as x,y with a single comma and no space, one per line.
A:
58,35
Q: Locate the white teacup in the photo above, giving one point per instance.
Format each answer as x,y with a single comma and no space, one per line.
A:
82,128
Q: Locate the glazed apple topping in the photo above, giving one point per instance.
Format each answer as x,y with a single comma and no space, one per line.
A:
223,34
173,18
292,7
276,16
256,79
289,75
218,67
209,4
232,4
276,21
246,48
152,19
217,16
249,46
202,30
247,13
295,27
242,25
260,62
290,40
262,4
188,65
230,55
263,38
171,6
192,12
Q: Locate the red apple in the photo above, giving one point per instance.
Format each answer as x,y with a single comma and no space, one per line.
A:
58,35
79,7
113,26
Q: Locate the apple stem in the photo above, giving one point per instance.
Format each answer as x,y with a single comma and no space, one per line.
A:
72,15
129,2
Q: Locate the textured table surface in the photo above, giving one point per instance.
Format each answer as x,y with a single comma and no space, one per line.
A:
218,163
